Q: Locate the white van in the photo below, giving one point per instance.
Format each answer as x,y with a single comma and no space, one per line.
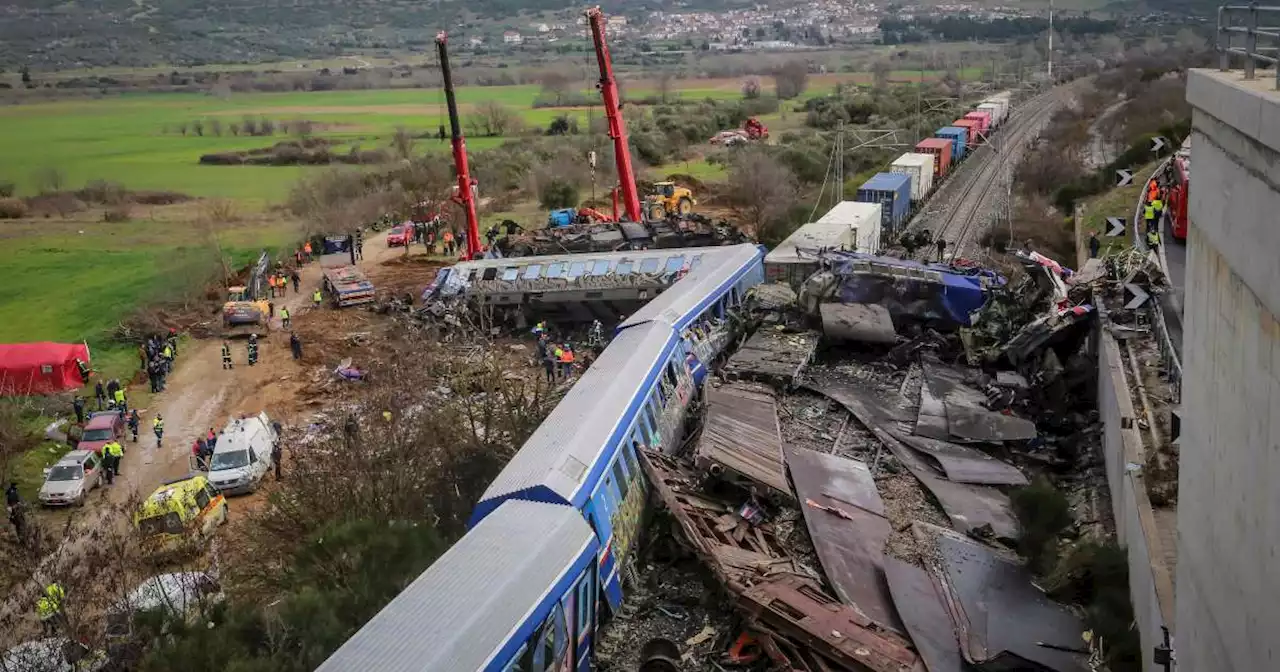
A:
242,455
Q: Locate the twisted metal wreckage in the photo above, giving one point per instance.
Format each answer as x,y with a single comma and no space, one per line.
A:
966,602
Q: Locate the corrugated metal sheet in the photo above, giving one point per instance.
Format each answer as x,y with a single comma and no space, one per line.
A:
740,434
847,523
561,451
676,305
456,614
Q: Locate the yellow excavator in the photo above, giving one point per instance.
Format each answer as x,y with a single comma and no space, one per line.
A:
244,314
668,199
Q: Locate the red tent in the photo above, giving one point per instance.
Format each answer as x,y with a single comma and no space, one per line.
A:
40,368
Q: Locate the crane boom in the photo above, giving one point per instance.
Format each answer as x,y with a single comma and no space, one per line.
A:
465,196
617,127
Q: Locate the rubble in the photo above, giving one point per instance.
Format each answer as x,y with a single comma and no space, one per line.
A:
775,355
741,439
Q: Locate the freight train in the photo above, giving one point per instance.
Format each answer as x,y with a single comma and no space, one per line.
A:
548,542
914,176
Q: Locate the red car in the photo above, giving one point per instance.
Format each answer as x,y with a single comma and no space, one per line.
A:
101,428
400,236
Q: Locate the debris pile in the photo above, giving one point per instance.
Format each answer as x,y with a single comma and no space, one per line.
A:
693,230
858,514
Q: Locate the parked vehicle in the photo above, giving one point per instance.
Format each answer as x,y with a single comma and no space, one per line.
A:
173,594
180,511
101,429
241,456
400,236
68,482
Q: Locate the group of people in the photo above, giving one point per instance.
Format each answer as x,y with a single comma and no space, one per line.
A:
111,397
279,283
302,255
557,358
157,354
1154,209
202,449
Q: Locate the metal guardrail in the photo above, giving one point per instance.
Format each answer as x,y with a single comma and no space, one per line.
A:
1243,20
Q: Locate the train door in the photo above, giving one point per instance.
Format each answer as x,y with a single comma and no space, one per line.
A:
606,504
580,609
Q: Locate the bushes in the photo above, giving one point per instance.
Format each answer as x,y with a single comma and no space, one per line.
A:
1096,576
558,193
1043,513
7,189
12,208
117,213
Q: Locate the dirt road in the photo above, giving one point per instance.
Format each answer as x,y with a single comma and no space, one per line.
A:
201,395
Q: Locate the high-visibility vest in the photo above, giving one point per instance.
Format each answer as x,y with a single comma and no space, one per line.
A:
168,352
119,396
284,313
307,248
226,351
1149,212
1153,238
317,296
158,424
46,608
1158,205
114,449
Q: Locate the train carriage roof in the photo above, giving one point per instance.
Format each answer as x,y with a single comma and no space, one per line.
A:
679,305
558,457
459,612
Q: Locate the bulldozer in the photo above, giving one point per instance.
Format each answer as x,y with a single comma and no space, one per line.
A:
243,314
668,199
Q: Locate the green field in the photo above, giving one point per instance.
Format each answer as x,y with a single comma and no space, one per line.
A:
75,281
134,139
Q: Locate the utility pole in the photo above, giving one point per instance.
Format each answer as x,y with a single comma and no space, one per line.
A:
1051,42
839,167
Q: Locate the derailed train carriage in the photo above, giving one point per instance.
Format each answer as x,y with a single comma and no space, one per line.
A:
524,589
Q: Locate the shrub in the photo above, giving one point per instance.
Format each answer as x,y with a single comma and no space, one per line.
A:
102,192
117,213
7,189
12,208
558,193
1043,513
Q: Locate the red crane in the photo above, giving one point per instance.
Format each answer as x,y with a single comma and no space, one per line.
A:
617,127
466,196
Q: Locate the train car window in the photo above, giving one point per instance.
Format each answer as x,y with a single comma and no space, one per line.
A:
584,605
531,271
650,265
669,374
612,485
733,296
544,658
649,418
556,270
623,483
624,267
510,274
489,273
562,632
629,452
576,269
472,274
674,264
697,261
644,431
600,267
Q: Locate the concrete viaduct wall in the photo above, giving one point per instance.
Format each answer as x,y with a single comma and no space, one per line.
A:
1228,571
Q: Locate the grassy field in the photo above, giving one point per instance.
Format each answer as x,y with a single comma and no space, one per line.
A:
1118,202
76,280
135,139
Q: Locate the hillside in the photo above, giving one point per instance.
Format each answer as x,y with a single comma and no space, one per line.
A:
52,34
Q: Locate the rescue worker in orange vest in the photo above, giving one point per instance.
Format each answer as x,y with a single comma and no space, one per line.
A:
306,251
566,361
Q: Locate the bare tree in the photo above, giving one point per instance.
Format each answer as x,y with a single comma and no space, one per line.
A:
493,119
763,190
751,88
556,84
215,127
49,180
791,79
197,127
880,75
402,143
234,128
665,85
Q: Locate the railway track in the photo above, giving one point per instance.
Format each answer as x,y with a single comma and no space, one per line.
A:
963,199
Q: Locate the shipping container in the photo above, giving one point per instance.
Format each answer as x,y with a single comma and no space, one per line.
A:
851,226
996,110
940,148
984,121
893,192
971,131
957,136
918,167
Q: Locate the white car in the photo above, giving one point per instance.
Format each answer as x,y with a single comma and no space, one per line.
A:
69,481
242,455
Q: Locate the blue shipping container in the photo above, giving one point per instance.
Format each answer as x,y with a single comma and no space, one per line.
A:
957,137
893,192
